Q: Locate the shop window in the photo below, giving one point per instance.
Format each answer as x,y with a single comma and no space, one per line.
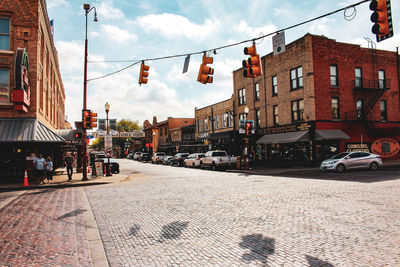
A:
258,118
335,108
274,86
275,114
360,107
4,34
257,91
383,109
334,75
296,78
297,110
358,77
242,96
4,86
382,79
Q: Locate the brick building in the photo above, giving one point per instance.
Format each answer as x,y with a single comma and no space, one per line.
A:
320,97
32,96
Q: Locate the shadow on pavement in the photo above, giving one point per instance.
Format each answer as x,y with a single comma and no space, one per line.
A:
71,214
49,187
260,247
315,262
172,230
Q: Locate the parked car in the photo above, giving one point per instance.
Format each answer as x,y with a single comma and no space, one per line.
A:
114,166
145,157
167,160
179,159
130,156
193,160
137,155
157,157
217,159
352,160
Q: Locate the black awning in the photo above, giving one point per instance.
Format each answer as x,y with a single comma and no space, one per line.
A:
330,135
222,135
283,138
27,130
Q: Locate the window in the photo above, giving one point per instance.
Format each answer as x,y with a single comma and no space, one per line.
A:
274,85
381,77
296,78
335,108
359,106
200,125
275,114
224,117
258,118
242,97
242,116
297,110
166,131
4,34
334,75
161,132
358,76
230,121
206,125
383,108
217,122
257,91
4,86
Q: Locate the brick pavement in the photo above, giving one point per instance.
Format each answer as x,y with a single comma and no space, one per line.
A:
44,228
186,217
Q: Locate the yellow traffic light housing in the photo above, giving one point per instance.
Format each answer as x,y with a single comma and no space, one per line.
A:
205,71
144,73
253,64
93,120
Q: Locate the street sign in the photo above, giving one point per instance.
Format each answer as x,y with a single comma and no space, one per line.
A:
278,43
108,152
108,141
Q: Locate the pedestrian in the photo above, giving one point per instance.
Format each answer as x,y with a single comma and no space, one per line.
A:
69,162
40,166
49,170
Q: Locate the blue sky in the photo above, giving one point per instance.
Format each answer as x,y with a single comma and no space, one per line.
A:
134,30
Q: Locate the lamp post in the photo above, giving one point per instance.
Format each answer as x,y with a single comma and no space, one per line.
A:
232,113
246,140
107,107
87,9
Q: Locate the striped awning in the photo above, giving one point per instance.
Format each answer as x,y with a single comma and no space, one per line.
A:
27,130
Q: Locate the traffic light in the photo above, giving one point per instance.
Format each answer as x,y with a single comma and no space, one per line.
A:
86,119
382,19
93,120
205,71
78,136
250,127
144,73
253,64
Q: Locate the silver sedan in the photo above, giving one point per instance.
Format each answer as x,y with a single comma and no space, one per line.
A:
352,160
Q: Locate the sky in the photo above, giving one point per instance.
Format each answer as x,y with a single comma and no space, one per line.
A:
130,30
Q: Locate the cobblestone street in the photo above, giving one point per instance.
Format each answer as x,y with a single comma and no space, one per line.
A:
169,216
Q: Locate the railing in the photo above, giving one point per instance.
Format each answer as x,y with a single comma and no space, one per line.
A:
364,84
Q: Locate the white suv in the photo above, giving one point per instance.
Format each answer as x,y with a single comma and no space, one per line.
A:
157,157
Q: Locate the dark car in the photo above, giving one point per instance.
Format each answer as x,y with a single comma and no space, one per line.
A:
145,157
179,159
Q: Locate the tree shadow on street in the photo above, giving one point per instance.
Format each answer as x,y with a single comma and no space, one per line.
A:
315,262
172,230
260,247
71,214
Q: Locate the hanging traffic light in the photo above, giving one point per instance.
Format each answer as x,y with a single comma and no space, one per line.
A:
144,73
86,119
93,120
382,17
253,64
248,125
205,71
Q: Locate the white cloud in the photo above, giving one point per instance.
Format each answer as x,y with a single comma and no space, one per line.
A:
171,25
56,3
116,34
70,55
244,28
107,11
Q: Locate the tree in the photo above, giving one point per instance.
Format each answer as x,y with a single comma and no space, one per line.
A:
98,144
126,125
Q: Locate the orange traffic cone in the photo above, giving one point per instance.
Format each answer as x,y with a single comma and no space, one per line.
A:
26,183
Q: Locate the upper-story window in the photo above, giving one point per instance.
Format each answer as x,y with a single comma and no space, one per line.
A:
242,96
230,121
4,86
200,125
334,75
335,108
275,114
296,78
358,77
274,85
297,110
166,131
360,107
4,34
258,118
382,79
383,109
257,91
217,122
242,116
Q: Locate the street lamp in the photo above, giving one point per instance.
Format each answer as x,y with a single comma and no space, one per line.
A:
233,113
87,9
107,107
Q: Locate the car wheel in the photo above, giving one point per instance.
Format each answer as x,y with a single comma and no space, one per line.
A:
213,166
152,162
374,166
201,165
340,168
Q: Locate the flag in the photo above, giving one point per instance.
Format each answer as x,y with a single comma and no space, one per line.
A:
52,26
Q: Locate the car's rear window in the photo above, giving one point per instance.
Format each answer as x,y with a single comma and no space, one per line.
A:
219,154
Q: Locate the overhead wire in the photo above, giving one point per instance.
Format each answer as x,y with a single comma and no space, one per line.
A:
229,45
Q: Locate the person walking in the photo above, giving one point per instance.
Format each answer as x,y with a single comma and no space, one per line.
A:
69,162
40,165
49,170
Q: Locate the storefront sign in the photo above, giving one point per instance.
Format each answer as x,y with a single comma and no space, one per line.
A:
385,147
304,127
358,147
287,128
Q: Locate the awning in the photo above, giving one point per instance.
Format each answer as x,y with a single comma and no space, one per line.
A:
222,135
27,130
283,138
330,135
